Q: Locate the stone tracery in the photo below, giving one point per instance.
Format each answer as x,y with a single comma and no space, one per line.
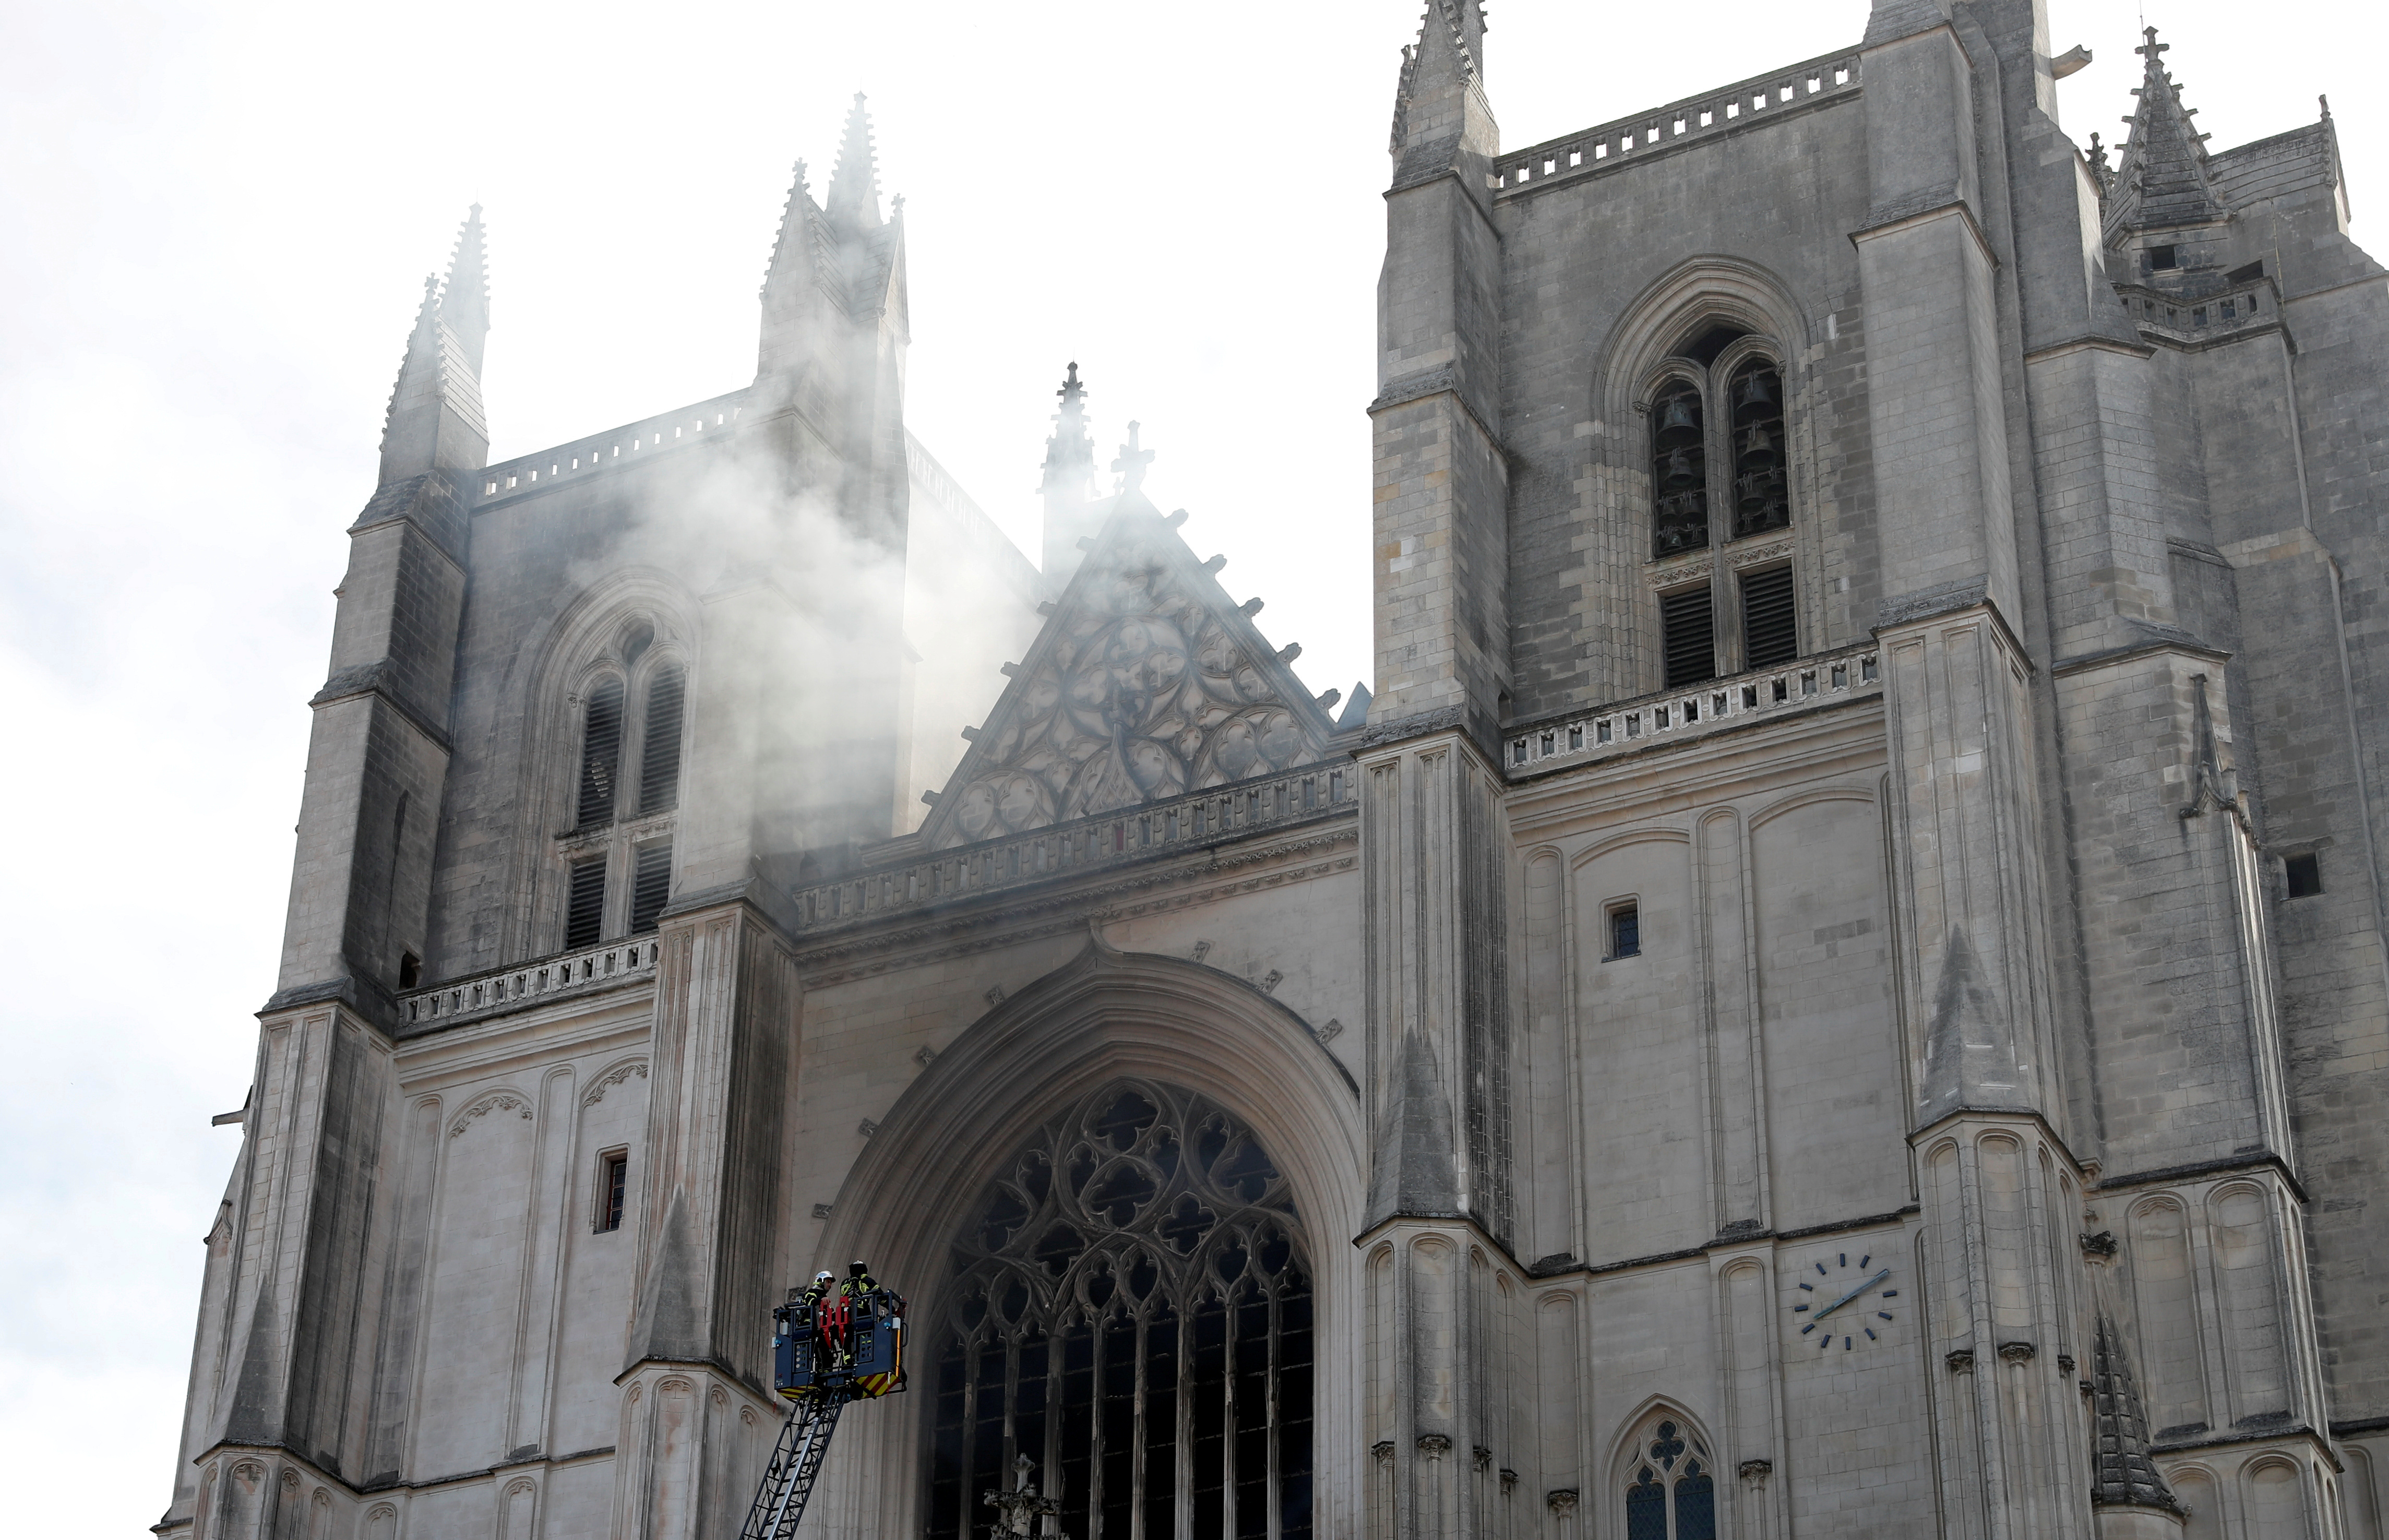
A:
1146,694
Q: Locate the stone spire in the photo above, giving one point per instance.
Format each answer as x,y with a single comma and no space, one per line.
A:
435,420
2163,181
854,185
465,300
2125,1476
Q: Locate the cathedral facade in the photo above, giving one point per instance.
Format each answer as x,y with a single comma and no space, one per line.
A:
1837,986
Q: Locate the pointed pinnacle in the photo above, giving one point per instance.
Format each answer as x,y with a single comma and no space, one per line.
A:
854,186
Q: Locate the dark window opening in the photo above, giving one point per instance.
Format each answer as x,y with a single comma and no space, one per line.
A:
1626,931
410,971
1132,1318
2305,874
2248,274
1761,489
1710,343
613,1188
650,887
584,905
1679,503
2161,258
660,756
601,755
1687,637
1770,631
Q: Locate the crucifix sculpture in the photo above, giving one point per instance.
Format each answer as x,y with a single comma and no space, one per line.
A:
1017,1509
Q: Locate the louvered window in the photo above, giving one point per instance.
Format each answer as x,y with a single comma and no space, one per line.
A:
650,887
1771,632
1687,636
1130,1317
1761,499
601,755
1679,504
584,905
660,756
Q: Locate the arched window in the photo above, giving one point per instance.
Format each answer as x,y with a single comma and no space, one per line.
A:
660,754
1680,507
1720,472
1762,499
601,754
1130,1316
1670,1492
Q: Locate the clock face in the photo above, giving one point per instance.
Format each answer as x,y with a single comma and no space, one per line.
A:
1845,1298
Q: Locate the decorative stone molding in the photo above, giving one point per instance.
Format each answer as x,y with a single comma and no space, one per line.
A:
618,1075
2100,1247
1961,1361
823,1211
2017,1353
1561,1501
1509,1481
493,1102
2065,1363
1434,1446
1679,572
1484,1456
866,1128
994,995
1766,551
1384,1450
1757,1471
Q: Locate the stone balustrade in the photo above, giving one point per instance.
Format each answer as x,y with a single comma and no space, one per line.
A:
586,971
1191,822
1710,115
1710,706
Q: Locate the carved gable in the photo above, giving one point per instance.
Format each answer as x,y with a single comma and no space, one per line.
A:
1146,683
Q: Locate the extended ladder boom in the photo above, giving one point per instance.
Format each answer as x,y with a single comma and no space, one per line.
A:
789,1481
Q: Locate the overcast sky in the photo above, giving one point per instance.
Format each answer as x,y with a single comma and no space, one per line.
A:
218,218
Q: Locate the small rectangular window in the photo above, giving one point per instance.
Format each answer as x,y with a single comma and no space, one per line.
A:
613,1188
2305,874
1626,931
584,905
2161,258
1687,637
1770,631
410,970
650,887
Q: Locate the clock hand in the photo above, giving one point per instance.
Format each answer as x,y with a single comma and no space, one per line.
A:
1880,1274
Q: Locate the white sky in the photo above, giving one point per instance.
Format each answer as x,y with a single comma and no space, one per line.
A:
218,218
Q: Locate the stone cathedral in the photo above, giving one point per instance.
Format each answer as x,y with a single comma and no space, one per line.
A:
1833,985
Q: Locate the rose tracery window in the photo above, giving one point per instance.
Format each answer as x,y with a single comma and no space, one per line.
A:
1131,1314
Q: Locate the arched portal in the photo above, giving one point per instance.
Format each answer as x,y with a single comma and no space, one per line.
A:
1130,1314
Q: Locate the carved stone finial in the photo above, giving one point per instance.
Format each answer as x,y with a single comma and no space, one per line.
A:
2324,102
1130,467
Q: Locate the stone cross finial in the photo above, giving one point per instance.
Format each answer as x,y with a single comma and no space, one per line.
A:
1017,1510
1130,467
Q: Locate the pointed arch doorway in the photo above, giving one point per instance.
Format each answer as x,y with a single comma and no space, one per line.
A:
1131,1313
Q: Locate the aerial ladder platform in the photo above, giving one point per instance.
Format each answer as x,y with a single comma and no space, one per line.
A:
839,1340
